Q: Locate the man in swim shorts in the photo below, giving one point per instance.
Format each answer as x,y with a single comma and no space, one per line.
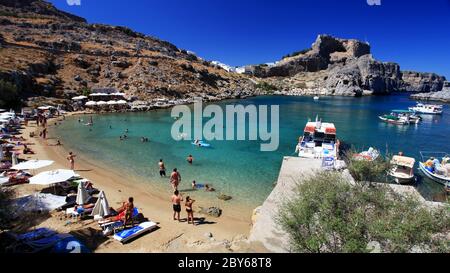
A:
175,179
177,198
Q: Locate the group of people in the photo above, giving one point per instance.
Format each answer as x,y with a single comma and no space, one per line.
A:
177,198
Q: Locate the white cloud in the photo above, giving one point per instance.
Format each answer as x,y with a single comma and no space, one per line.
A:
74,2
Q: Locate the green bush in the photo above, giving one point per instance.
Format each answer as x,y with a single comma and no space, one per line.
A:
8,94
328,214
86,92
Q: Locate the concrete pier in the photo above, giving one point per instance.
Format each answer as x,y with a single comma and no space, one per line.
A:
265,229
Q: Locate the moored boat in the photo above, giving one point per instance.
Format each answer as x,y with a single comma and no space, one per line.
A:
402,117
402,169
391,119
318,141
435,169
369,155
430,109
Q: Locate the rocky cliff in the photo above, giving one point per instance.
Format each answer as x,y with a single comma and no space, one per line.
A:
346,68
443,96
47,52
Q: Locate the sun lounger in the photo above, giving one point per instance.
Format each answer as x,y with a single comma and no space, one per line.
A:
129,234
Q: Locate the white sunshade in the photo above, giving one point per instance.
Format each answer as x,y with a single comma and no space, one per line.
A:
122,102
46,107
82,194
112,102
101,208
79,98
118,94
33,165
100,103
91,103
52,177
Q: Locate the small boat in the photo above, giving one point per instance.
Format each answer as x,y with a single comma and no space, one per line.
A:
318,141
430,109
402,169
369,155
316,98
201,144
435,169
402,117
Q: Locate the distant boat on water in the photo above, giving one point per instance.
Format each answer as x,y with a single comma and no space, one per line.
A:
429,109
316,98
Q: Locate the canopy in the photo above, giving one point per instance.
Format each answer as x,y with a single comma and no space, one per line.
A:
46,107
122,102
33,165
118,94
403,161
82,194
101,207
112,102
79,98
91,103
99,103
402,111
52,177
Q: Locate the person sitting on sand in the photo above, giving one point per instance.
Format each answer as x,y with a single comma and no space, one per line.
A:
190,159
177,198
124,213
209,188
27,150
189,210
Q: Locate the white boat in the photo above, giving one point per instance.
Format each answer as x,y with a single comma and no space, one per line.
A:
318,141
402,169
431,109
369,155
316,98
435,169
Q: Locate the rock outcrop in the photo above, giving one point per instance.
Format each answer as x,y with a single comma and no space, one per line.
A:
442,96
349,68
422,82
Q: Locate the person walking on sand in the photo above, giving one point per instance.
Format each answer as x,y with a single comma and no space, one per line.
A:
162,168
175,179
189,210
177,198
190,159
44,133
71,159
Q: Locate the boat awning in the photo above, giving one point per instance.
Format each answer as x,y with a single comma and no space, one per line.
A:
403,161
310,128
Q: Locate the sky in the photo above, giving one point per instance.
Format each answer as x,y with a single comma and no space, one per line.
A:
415,34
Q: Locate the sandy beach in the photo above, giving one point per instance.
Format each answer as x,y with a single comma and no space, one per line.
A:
229,232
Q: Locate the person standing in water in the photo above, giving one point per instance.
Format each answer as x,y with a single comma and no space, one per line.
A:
190,159
71,159
177,198
175,179
162,168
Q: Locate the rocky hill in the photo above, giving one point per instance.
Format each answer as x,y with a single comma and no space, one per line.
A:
47,52
334,66
443,96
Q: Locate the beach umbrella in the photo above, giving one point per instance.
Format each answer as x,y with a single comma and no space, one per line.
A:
122,102
14,159
91,103
52,177
102,103
33,165
82,194
101,207
112,102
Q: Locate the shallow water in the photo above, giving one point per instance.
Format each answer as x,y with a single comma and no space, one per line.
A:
239,168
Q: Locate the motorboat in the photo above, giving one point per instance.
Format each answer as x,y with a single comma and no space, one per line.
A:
402,117
402,169
318,141
430,109
436,166
316,98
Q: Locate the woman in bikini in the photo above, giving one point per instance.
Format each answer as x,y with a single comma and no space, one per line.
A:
71,159
190,212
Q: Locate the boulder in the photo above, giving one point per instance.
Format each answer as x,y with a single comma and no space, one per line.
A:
212,211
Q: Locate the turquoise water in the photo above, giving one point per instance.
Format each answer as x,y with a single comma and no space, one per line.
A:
239,168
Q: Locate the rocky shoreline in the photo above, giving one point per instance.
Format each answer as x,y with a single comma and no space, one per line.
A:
441,96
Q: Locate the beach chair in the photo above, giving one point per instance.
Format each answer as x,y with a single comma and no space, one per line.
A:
114,226
126,235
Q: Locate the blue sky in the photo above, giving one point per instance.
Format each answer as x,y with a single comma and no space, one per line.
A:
415,34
